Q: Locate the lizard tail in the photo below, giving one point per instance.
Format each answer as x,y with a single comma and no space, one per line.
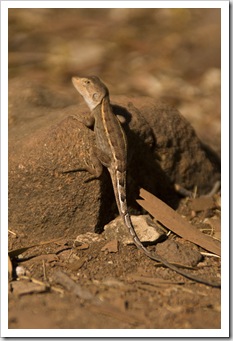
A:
157,258
119,185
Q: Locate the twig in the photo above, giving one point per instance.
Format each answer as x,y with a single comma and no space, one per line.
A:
44,271
209,254
63,279
14,234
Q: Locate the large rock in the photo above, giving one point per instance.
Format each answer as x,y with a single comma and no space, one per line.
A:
48,198
163,139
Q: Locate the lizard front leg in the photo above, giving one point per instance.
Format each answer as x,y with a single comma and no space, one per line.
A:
99,159
95,168
91,162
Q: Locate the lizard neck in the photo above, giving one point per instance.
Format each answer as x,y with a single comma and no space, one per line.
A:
103,108
114,144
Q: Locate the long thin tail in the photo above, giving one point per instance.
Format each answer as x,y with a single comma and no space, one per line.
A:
137,242
119,185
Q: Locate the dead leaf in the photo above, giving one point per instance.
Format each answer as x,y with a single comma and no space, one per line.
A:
48,258
110,310
151,280
70,285
202,204
75,266
173,221
27,288
111,246
17,252
215,224
84,246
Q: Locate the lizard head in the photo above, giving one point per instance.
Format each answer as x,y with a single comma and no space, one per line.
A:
91,89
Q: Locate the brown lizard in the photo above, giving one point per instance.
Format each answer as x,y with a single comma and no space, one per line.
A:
111,151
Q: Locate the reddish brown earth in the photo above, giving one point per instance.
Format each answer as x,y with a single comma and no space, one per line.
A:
171,55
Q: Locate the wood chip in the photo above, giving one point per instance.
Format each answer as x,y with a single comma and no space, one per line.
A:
151,280
173,221
202,204
76,265
111,246
215,224
84,246
21,288
48,258
70,285
17,252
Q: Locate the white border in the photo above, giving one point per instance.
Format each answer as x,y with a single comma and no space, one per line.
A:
224,331
116,4
225,183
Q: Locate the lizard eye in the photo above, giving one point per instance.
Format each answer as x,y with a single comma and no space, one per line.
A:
87,82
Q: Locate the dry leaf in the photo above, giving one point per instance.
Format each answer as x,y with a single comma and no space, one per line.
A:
111,246
72,286
202,204
17,252
27,288
173,221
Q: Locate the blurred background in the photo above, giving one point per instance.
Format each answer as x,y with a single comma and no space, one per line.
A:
172,55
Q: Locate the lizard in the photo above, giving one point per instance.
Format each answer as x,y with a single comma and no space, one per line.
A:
111,152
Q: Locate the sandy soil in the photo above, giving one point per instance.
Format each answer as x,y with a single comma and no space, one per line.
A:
170,54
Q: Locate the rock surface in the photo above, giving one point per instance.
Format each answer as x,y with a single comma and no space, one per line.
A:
175,252
146,232
48,139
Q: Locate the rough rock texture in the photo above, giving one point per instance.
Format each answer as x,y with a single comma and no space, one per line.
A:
42,199
173,143
147,231
48,139
175,252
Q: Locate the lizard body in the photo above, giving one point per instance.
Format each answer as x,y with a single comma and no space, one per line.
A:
111,151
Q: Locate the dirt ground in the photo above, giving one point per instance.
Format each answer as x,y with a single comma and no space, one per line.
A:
170,54
120,289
